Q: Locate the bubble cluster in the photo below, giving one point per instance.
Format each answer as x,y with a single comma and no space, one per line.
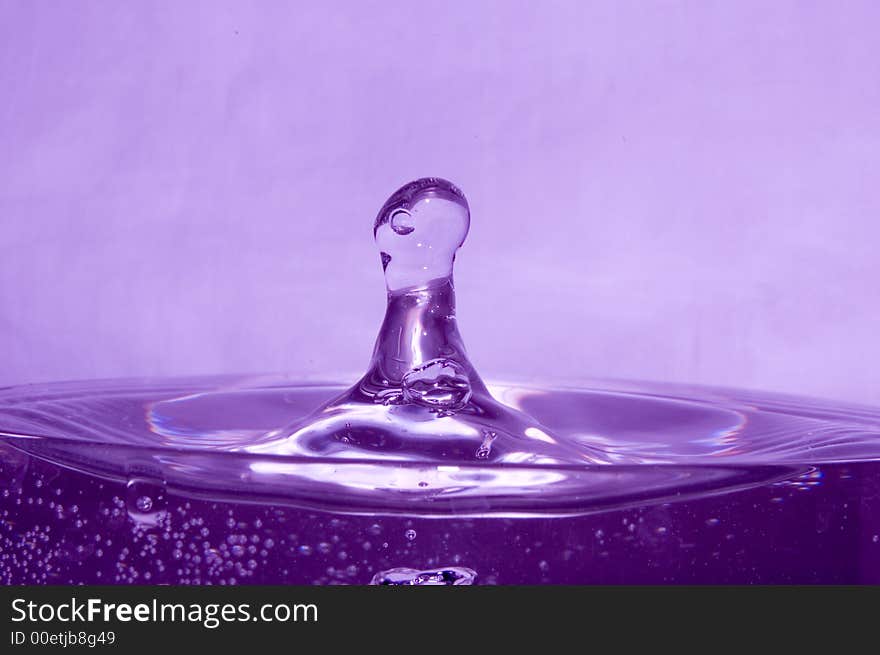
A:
58,526
451,576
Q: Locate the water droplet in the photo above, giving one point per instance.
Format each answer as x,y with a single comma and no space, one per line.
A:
420,227
410,535
421,396
485,448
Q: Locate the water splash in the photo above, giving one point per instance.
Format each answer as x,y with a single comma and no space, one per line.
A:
230,480
421,397
421,434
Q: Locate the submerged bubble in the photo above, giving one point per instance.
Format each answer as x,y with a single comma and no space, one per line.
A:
449,576
145,500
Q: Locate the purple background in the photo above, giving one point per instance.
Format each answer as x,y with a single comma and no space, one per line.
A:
667,190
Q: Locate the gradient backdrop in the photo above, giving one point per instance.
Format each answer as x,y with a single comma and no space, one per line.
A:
683,191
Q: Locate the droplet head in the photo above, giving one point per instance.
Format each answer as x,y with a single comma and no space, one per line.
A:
418,230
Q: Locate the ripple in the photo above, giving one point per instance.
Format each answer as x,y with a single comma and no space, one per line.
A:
602,445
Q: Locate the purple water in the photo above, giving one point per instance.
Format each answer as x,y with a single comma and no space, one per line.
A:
700,486
420,473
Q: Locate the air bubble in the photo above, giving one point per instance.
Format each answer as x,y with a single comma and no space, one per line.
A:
437,384
449,576
402,222
145,501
